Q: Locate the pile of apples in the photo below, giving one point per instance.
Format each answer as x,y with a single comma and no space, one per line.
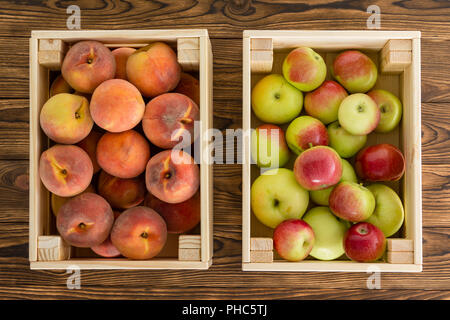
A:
349,217
106,111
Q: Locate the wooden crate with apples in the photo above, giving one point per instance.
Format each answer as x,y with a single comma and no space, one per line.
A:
396,55
192,249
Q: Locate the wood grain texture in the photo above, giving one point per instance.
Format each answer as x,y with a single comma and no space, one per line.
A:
225,20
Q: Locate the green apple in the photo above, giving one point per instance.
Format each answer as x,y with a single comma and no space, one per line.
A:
358,114
388,214
345,143
274,100
329,233
304,69
276,196
269,148
321,197
352,202
390,109
306,132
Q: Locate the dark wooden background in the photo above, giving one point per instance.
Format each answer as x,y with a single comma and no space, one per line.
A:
225,21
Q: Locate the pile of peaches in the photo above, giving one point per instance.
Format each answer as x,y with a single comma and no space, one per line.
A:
117,183
329,200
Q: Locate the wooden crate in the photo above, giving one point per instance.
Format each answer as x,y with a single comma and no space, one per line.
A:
264,51
46,48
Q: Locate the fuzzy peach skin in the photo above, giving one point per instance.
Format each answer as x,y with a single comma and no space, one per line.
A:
169,118
124,155
121,193
87,64
65,170
85,221
57,201
89,144
139,233
59,85
154,69
189,86
121,55
65,118
180,217
117,105
172,176
106,249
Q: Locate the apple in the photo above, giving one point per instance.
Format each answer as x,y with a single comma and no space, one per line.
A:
323,103
345,143
293,239
304,69
276,196
390,109
355,71
305,132
352,201
274,100
321,197
388,214
364,242
381,162
329,232
269,148
318,168
358,114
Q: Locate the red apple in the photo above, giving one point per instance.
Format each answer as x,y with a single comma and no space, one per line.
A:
323,103
364,242
318,168
381,162
293,239
305,132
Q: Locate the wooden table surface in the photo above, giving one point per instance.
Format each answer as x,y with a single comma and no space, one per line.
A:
225,21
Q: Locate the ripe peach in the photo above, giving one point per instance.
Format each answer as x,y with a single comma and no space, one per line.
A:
121,55
106,249
154,69
59,85
85,221
172,176
117,105
123,154
121,193
189,86
168,118
89,144
57,201
139,233
65,170
87,64
179,217
65,118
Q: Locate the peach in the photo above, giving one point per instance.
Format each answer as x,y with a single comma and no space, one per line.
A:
106,249
65,170
87,64
189,86
121,193
169,118
65,118
59,85
154,69
117,105
85,221
121,55
179,217
123,154
57,201
172,176
89,144
139,233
